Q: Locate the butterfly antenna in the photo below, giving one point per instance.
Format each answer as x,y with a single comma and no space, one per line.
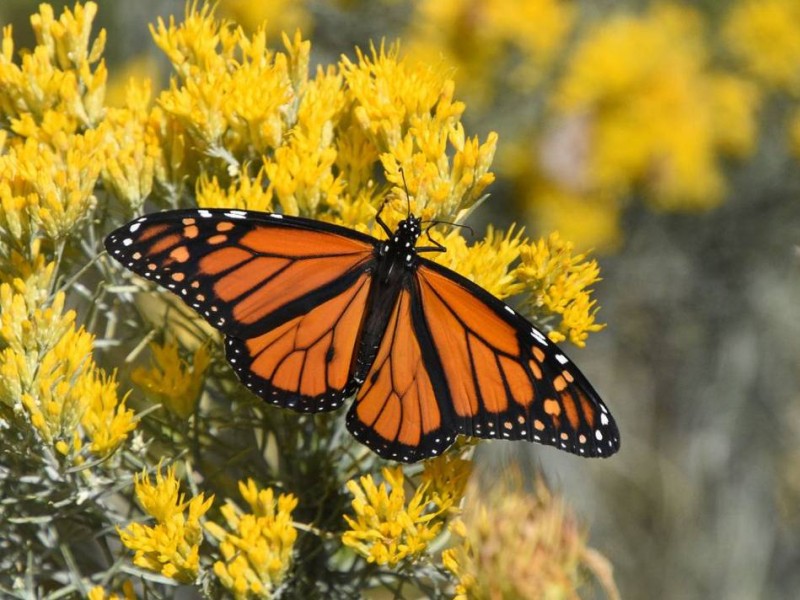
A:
405,187
436,222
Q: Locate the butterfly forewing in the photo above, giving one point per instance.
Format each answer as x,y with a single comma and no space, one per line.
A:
244,272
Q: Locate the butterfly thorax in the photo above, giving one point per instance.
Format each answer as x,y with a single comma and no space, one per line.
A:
398,249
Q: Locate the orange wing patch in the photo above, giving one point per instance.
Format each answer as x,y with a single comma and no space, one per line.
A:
478,349
305,361
396,412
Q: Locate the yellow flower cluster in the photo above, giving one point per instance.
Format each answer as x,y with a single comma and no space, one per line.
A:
133,156
98,593
171,546
387,528
657,114
171,379
48,378
515,544
765,36
481,39
256,547
558,283
487,262
62,80
52,159
411,121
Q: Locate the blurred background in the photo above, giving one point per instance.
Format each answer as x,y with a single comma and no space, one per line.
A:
664,137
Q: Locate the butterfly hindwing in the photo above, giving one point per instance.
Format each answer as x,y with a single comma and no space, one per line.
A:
397,411
305,363
504,377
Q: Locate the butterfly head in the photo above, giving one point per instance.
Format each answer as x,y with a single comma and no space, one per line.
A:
403,240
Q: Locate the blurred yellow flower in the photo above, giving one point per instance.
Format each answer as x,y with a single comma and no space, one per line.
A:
556,283
652,109
765,36
481,38
522,545
171,547
172,380
257,546
276,16
794,133
387,528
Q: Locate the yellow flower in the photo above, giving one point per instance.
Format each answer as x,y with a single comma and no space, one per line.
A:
556,284
106,420
765,36
243,193
487,262
55,185
446,477
653,109
99,593
171,379
301,169
133,151
64,72
408,113
257,546
521,545
47,373
170,547
481,38
233,96
387,529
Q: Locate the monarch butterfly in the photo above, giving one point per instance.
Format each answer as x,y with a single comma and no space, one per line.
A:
314,313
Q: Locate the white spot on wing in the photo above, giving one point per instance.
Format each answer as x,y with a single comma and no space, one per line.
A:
509,310
539,337
204,213
236,214
133,228
127,242
276,216
562,359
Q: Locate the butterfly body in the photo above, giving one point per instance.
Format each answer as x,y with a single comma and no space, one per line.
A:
315,313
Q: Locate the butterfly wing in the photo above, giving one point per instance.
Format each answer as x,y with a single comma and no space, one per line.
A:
503,377
397,412
289,293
